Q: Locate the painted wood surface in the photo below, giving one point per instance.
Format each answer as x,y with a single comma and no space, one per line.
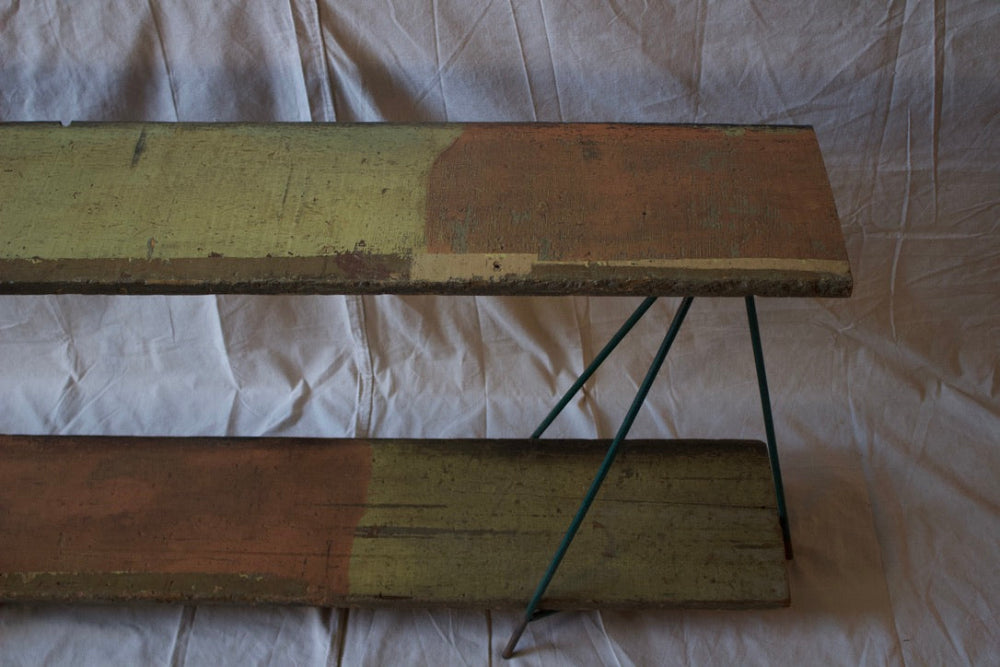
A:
449,209
467,523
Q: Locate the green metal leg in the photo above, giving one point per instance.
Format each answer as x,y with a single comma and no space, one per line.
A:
772,448
531,612
598,360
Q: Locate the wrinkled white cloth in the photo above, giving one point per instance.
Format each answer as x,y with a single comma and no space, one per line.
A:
887,405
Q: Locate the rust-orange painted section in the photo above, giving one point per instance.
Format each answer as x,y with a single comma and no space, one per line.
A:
595,192
275,514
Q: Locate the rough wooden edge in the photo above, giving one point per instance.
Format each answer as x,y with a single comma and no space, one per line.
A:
292,276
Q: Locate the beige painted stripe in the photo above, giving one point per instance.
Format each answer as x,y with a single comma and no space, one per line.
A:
437,267
742,264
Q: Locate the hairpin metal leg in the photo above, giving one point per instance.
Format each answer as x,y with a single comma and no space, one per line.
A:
531,612
598,360
772,448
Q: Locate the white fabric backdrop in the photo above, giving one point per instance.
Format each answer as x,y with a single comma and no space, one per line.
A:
887,404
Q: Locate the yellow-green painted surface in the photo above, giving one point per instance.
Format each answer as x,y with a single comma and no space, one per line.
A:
476,522
165,191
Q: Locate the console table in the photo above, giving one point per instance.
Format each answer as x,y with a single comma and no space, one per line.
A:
457,209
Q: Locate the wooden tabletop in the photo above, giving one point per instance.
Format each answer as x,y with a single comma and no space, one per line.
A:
335,522
590,209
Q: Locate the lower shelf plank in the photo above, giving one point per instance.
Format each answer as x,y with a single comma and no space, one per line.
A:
345,522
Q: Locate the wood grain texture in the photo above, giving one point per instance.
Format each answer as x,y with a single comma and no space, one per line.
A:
465,523
448,209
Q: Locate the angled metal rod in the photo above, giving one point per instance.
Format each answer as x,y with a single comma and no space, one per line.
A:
530,613
772,447
598,360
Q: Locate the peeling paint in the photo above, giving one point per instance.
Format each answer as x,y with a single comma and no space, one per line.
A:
444,267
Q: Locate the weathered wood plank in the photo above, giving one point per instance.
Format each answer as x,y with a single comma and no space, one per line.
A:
449,209
357,522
